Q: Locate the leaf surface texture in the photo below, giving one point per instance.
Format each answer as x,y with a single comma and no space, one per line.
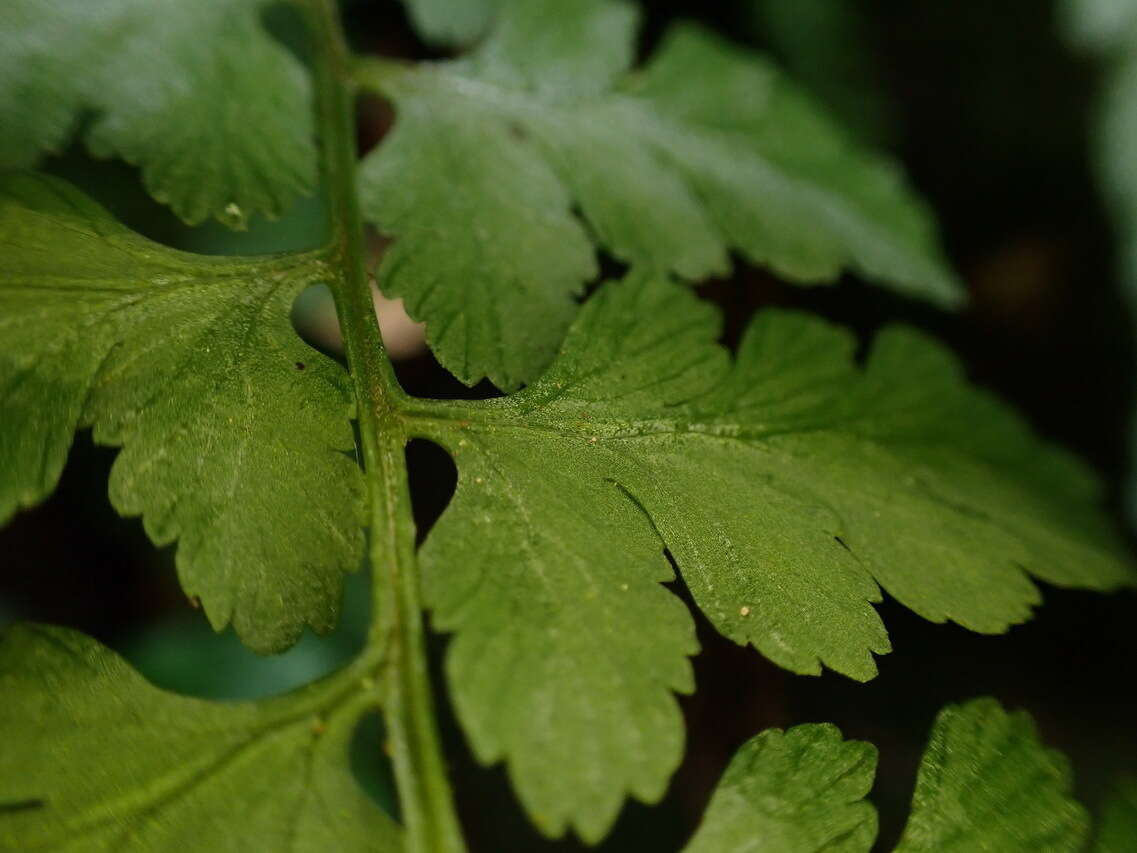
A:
236,435
786,486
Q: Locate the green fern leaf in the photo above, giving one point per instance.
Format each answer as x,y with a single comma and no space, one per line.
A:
786,487
798,791
237,436
95,758
985,783
705,150
214,111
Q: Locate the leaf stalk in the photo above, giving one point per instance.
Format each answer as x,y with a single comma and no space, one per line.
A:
397,631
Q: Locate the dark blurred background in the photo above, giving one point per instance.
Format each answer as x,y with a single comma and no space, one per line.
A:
992,114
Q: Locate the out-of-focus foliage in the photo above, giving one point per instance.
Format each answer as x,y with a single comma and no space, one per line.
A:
1109,29
825,45
96,758
1116,830
985,783
705,149
220,121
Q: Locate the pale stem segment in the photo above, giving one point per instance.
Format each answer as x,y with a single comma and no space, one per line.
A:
397,631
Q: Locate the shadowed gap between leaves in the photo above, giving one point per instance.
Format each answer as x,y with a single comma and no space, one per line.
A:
432,478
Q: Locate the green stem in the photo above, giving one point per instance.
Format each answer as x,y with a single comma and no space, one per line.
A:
420,771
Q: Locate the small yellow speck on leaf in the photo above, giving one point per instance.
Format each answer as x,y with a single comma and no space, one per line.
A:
744,611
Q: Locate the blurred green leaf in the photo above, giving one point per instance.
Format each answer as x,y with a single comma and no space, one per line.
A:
986,783
449,23
95,758
706,149
1100,24
1117,825
214,111
825,46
